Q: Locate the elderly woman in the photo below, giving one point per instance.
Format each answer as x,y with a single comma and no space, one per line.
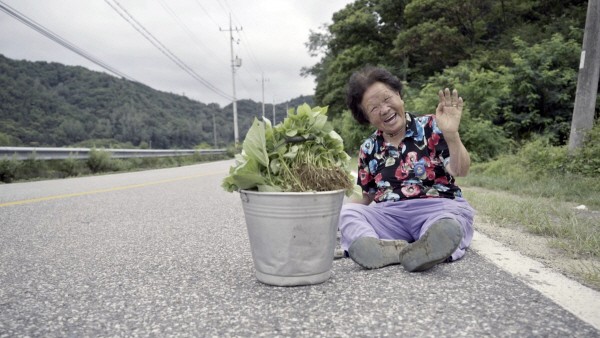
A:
407,167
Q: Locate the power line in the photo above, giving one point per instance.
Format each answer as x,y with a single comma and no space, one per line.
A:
246,46
218,26
58,39
251,53
163,49
207,14
249,48
185,27
251,56
223,8
242,83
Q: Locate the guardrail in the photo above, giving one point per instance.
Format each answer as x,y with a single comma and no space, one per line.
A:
41,153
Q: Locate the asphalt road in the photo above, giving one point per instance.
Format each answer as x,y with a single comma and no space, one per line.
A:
165,253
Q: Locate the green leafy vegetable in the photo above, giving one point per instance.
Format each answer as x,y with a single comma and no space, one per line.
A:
302,153
255,144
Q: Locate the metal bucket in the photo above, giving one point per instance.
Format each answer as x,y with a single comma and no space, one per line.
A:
292,235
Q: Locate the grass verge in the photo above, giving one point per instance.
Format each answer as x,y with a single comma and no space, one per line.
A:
13,170
575,232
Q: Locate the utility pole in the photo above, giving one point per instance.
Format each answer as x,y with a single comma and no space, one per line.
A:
273,111
234,63
263,93
587,81
214,130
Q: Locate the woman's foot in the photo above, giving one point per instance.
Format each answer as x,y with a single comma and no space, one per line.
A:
435,246
373,253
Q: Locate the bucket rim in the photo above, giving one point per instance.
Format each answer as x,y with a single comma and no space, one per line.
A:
291,193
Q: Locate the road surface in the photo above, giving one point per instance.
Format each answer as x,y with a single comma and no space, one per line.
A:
166,253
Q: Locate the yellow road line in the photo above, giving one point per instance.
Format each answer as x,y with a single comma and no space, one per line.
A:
91,192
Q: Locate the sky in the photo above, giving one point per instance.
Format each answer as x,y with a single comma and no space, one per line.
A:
269,37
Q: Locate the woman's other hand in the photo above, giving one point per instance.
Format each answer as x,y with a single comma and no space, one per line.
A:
449,111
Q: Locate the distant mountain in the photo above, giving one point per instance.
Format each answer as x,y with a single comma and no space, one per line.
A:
50,104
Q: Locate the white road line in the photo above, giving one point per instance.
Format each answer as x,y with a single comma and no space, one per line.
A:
574,297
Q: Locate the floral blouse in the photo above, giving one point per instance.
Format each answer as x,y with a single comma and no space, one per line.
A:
416,169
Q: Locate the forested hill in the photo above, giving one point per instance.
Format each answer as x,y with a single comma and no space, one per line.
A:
50,104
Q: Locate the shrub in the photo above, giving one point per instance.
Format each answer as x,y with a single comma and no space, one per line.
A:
232,150
99,161
70,167
539,159
32,168
543,88
7,140
9,169
586,160
351,132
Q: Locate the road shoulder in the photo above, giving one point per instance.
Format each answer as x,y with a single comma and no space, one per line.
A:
580,300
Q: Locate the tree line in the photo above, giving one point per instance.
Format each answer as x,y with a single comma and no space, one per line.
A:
514,62
50,104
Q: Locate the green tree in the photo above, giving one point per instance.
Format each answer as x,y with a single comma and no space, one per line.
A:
49,104
71,131
420,47
361,34
542,88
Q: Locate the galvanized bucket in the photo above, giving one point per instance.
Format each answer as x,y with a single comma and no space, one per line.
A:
292,235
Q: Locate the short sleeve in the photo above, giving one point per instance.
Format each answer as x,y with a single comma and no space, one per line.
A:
366,166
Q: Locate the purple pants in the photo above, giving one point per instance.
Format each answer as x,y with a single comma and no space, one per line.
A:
407,220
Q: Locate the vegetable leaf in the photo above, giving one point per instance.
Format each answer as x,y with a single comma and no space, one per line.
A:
301,153
244,176
255,144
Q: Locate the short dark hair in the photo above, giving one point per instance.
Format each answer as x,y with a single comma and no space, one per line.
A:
363,79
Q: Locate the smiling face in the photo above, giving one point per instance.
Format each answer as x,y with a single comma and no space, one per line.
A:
384,109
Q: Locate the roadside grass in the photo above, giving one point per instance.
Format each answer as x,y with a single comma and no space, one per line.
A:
544,205
575,232
500,175
99,162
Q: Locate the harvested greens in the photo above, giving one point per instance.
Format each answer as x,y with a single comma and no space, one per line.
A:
302,153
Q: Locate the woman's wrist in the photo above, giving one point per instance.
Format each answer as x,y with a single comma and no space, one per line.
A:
451,137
